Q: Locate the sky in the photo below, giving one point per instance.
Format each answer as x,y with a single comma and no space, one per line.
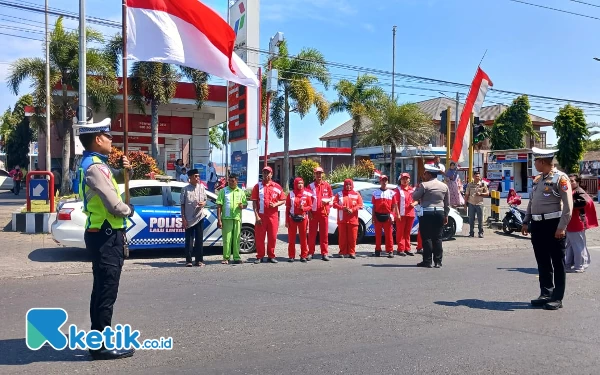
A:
527,49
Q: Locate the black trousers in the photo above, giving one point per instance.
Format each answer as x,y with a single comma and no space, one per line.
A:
194,237
550,257
431,226
108,255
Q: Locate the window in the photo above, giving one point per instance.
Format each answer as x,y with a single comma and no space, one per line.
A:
176,198
333,143
345,142
367,195
146,196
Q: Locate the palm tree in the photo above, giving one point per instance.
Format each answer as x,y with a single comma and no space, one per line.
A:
215,139
64,71
397,125
358,99
297,93
154,83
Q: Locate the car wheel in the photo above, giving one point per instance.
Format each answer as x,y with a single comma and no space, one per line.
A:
247,240
334,239
361,232
449,230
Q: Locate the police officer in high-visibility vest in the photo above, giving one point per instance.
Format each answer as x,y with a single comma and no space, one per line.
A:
548,214
105,226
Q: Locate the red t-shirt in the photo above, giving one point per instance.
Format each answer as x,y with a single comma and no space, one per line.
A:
301,203
383,201
319,192
404,200
351,200
265,194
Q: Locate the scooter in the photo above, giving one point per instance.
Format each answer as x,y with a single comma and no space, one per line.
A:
513,220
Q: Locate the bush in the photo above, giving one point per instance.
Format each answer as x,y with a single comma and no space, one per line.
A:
141,163
364,169
305,170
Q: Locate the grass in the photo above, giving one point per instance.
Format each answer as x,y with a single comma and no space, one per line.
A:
43,207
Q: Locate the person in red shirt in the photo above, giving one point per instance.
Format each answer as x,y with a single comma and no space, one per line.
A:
405,214
267,196
384,204
322,197
298,203
347,202
577,257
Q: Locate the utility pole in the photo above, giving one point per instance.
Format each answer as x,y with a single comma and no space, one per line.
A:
393,59
457,114
471,148
82,66
48,98
272,83
448,137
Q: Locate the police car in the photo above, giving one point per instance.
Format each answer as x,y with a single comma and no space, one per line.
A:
156,222
366,227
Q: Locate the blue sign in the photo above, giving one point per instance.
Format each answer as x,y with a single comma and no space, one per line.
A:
201,170
239,166
38,190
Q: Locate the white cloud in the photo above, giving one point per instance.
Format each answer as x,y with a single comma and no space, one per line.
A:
369,27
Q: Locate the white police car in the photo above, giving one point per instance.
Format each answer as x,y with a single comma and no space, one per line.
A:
366,227
157,220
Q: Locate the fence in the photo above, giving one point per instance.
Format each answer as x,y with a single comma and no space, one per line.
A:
590,185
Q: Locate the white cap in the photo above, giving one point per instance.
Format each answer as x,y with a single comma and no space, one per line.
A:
540,153
98,127
432,169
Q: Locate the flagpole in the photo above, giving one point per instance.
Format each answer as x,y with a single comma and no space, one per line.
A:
125,104
227,114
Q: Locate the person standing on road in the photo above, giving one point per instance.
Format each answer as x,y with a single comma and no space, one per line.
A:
405,214
105,226
475,193
267,196
384,204
548,214
348,202
230,203
212,177
434,198
193,201
298,203
318,217
584,217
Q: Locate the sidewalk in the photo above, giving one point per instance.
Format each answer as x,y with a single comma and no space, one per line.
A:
9,203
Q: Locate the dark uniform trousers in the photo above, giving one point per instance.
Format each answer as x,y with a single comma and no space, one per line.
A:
431,227
107,247
550,256
193,242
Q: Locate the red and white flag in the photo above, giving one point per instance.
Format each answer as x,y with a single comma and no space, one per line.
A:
377,173
479,87
185,32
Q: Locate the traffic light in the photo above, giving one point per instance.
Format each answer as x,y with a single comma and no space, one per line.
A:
479,131
443,121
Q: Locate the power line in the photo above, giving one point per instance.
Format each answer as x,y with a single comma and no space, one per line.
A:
556,9
20,36
584,3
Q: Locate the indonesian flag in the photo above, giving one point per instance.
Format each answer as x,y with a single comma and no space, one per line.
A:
185,32
377,173
479,88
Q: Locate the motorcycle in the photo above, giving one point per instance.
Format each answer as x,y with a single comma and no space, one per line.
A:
513,220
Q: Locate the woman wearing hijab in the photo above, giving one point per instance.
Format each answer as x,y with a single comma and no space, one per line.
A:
347,202
405,212
513,198
453,182
297,204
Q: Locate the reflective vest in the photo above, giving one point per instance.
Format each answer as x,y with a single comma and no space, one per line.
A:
92,204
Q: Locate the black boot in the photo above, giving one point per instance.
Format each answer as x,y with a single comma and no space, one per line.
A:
107,354
540,301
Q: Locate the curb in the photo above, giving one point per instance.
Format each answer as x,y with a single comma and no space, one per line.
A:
31,222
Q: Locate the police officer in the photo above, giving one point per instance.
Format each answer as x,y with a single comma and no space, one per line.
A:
105,226
434,198
548,214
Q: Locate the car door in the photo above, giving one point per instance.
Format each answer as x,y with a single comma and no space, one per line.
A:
152,225
211,233
367,195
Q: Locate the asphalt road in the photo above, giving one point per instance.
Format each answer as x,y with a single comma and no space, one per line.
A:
363,316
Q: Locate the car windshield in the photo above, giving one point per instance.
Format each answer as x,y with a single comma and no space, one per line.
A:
336,188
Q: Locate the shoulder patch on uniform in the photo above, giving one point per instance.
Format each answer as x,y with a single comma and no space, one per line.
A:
104,169
537,178
564,183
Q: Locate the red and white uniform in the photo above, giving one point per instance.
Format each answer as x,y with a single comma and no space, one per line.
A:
407,216
298,203
263,195
383,203
320,216
347,222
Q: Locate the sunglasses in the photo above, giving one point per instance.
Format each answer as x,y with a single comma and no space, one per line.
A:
107,135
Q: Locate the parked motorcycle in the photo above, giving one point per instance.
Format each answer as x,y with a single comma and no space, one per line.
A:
513,220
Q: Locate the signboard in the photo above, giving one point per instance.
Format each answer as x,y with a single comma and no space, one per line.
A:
142,140
237,112
380,157
239,164
494,167
38,190
494,175
166,124
509,157
494,185
201,170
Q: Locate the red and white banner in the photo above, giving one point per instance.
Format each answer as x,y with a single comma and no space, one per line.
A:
479,87
185,32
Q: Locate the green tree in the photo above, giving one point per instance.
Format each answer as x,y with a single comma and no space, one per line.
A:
571,129
16,133
64,72
154,83
215,139
306,170
511,127
396,125
357,99
591,144
297,94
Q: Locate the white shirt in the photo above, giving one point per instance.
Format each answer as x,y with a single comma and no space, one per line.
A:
184,178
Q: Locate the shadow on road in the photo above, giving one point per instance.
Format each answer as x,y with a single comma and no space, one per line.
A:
511,235
529,271
15,352
487,305
60,254
391,265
